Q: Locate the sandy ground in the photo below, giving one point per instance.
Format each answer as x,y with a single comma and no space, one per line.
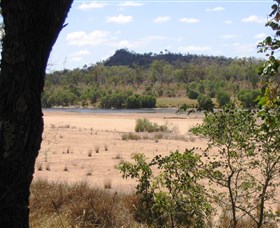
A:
88,147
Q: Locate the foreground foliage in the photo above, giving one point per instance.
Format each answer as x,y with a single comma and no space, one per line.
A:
173,197
243,160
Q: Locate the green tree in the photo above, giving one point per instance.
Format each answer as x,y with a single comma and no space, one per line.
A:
173,197
243,159
30,30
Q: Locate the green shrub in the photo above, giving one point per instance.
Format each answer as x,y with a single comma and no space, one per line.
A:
223,98
144,125
173,198
133,102
248,98
148,101
192,94
205,103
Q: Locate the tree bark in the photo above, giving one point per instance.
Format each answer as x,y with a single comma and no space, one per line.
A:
31,28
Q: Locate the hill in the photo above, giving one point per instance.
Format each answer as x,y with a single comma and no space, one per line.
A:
124,57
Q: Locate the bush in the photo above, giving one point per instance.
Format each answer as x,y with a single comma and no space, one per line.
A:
144,125
248,98
173,198
192,94
148,101
133,102
205,103
223,98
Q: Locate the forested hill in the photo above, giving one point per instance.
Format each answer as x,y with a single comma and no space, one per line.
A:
124,57
130,80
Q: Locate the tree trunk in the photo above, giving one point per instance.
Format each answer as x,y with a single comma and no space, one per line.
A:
31,28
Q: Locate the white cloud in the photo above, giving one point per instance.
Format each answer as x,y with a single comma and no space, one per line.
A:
254,18
80,53
82,38
92,5
120,19
130,3
228,36
189,20
78,56
215,9
228,22
260,36
244,49
194,48
143,42
162,19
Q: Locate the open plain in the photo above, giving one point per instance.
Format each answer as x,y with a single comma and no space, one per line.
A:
89,146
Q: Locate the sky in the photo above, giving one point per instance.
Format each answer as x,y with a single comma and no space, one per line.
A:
96,29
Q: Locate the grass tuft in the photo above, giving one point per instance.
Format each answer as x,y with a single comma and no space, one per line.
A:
79,205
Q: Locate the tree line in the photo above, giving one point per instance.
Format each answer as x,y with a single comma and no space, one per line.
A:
164,75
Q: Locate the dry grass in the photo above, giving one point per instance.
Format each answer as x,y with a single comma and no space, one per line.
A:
79,205
39,167
130,136
118,156
107,183
97,149
89,152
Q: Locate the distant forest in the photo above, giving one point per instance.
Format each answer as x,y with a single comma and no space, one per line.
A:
131,80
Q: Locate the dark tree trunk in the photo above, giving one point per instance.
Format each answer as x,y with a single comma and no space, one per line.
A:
31,28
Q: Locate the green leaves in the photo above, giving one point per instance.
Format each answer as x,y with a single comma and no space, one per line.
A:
173,197
241,144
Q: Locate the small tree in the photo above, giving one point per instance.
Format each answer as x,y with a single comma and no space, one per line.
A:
173,197
243,160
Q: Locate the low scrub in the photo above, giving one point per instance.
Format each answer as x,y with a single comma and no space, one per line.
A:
78,205
130,136
145,125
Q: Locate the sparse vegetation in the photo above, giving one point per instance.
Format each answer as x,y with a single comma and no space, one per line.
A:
48,167
40,167
145,125
89,152
130,136
107,183
97,148
89,173
118,156
89,207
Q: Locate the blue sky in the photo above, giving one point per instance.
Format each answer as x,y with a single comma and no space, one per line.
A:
96,29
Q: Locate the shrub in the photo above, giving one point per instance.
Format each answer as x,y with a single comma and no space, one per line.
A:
173,198
130,136
144,125
244,144
205,103
148,101
192,94
223,98
133,102
248,98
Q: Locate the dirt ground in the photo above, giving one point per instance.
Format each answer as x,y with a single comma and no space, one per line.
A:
88,147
